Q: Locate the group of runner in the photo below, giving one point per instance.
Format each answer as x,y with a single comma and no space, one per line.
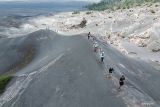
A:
97,49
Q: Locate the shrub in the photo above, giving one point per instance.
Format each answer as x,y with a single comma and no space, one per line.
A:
83,23
88,12
4,80
156,5
152,11
76,12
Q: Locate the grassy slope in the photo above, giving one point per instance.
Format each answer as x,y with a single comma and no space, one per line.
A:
4,80
7,77
118,4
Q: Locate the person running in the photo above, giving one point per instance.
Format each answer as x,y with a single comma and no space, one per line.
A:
102,56
110,72
121,81
95,46
89,35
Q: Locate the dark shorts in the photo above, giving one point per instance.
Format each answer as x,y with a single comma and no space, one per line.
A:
121,83
110,71
102,58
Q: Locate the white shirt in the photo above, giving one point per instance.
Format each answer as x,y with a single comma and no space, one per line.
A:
95,44
102,54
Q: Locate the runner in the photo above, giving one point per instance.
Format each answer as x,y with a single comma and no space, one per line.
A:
89,35
102,56
110,72
95,46
121,81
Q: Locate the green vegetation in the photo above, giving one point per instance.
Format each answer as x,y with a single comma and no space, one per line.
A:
89,12
4,80
76,12
152,11
83,23
119,4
